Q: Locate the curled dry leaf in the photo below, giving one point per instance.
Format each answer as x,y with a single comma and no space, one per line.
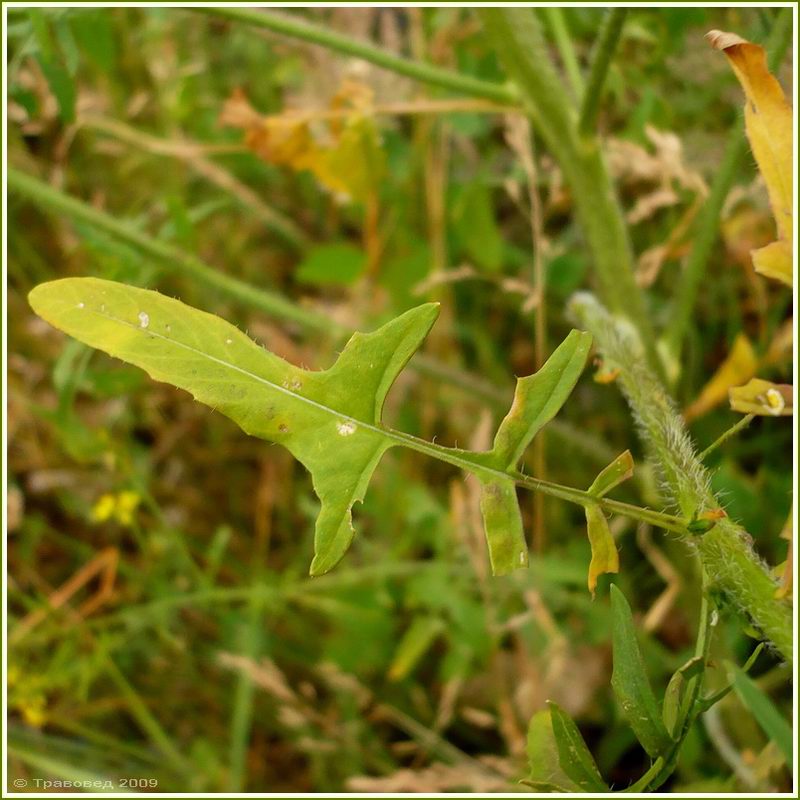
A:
763,398
339,145
768,122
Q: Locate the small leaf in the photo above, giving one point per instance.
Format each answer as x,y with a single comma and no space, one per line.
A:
763,398
768,121
415,642
537,400
546,773
503,526
539,397
630,682
476,228
762,708
605,558
574,757
739,366
329,420
672,712
618,471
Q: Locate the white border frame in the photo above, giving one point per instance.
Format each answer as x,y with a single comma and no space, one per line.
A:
399,3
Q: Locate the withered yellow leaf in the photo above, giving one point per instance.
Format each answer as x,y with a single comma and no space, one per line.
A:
763,398
740,365
768,122
604,552
339,145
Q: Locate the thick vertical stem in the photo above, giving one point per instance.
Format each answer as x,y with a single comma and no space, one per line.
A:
519,44
726,550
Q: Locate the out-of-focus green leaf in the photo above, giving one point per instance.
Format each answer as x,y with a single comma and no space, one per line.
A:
762,708
476,227
52,64
415,642
94,33
630,682
546,774
574,757
337,264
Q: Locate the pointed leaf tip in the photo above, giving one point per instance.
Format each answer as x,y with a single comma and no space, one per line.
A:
539,397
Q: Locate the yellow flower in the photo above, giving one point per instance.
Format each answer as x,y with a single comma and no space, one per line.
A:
120,507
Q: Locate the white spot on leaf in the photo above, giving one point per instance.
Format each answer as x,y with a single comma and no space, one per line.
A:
80,305
346,428
229,341
144,319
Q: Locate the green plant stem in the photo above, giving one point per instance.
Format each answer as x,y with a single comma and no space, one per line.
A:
300,29
193,155
707,227
603,52
172,257
518,41
732,431
726,550
563,41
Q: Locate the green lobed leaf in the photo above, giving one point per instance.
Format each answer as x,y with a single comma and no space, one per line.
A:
329,420
539,397
630,682
537,400
763,709
574,757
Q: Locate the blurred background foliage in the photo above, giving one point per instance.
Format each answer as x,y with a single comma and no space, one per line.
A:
187,644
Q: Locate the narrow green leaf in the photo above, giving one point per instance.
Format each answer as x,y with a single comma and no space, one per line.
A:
546,773
630,682
503,526
329,420
672,712
618,471
605,558
52,64
574,757
94,31
539,397
763,709
415,642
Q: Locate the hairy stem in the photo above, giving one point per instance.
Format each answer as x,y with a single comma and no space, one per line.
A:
604,49
732,431
300,29
726,550
707,228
